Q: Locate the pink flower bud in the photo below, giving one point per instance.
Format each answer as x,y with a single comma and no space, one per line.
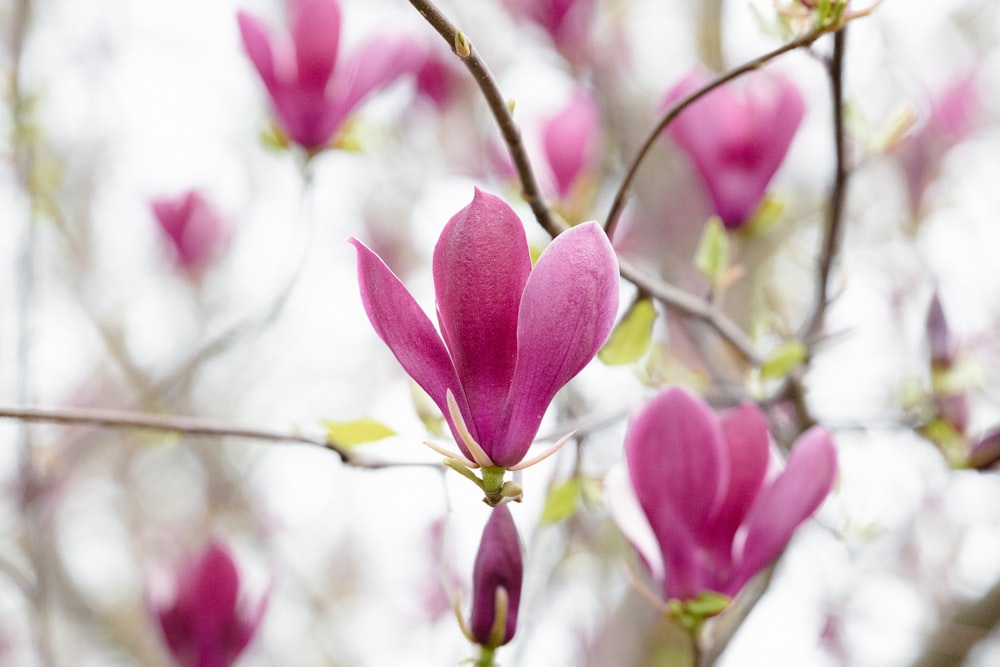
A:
737,136
194,230
496,581
206,624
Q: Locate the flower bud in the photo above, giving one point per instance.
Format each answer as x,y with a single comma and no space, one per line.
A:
496,581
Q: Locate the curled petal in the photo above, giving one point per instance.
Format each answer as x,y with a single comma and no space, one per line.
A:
567,311
793,497
481,264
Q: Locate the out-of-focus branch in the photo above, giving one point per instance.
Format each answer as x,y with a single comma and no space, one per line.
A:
191,426
956,636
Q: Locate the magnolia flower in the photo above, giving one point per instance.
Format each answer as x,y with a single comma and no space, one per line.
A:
311,91
572,141
737,136
566,21
496,582
511,335
709,519
193,228
206,625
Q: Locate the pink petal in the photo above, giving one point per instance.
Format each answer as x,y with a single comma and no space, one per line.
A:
746,442
627,513
376,64
406,330
315,27
674,452
570,139
257,42
568,308
481,264
793,497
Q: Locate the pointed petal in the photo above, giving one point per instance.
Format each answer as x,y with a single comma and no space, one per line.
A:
481,264
793,497
568,308
571,139
623,505
406,330
747,443
376,64
498,564
315,27
257,42
674,452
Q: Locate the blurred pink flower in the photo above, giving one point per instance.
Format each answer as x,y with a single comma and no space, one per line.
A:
572,141
566,21
194,230
206,624
311,91
499,566
511,334
712,520
951,115
439,78
737,136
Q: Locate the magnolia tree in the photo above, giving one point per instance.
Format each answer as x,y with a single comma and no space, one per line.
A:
526,332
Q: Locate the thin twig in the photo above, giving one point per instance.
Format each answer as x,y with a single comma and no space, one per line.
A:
618,203
191,426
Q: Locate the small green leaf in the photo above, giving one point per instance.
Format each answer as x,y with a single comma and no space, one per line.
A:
708,604
632,337
787,357
712,257
356,432
562,502
765,217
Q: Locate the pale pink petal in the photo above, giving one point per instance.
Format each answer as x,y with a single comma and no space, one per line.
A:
257,42
406,330
793,497
568,308
481,264
315,28
747,452
627,513
375,65
571,140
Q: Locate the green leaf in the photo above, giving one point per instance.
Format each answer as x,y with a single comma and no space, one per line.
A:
765,217
562,502
712,257
356,432
708,604
787,357
632,337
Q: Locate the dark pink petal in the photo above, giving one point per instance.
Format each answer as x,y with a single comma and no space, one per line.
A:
674,451
257,41
481,264
791,499
746,442
315,27
568,308
407,331
498,564
571,140
375,65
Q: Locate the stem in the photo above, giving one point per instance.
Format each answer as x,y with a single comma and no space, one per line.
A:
619,201
486,657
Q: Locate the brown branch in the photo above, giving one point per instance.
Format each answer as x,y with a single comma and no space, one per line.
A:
191,426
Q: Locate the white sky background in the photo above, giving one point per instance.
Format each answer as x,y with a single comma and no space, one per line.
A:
153,97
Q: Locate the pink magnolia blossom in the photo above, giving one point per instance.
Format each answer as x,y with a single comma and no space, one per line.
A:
572,141
312,89
194,230
737,136
700,481
206,625
566,21
498,566
511,335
